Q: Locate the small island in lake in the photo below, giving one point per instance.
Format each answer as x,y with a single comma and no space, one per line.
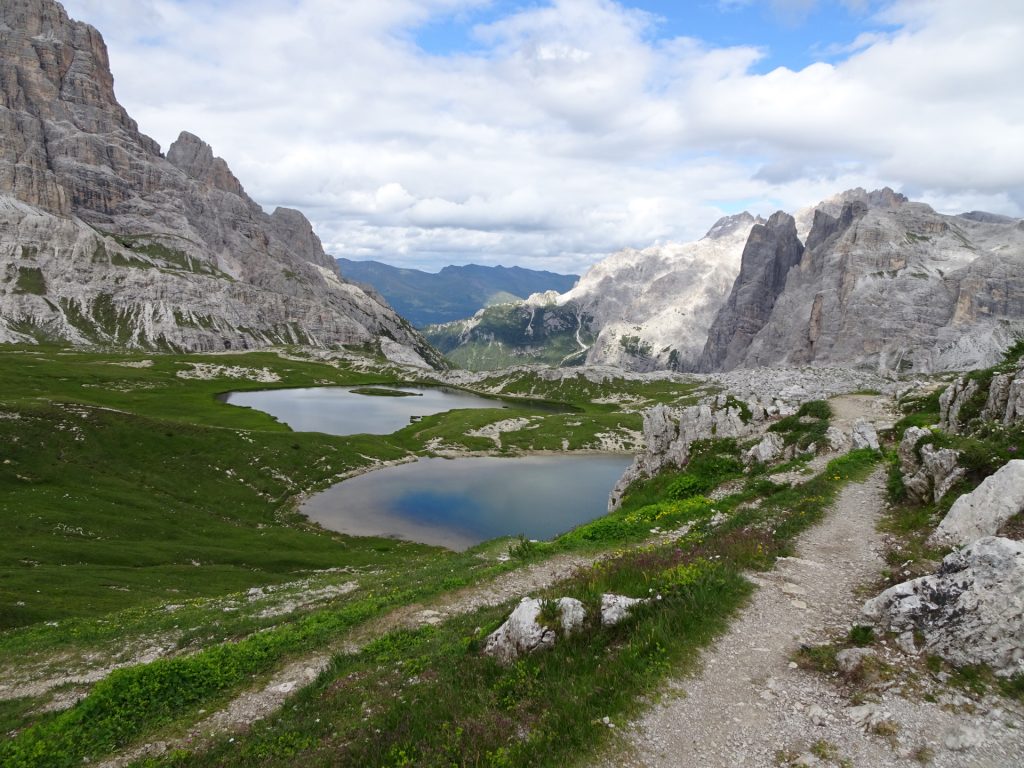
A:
380,392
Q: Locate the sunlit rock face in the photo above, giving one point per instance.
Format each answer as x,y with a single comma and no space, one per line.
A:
652,308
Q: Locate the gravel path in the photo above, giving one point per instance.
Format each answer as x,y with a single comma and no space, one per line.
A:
750,705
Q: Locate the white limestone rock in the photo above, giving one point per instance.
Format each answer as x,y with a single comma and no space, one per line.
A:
849,660
883,283
952,400
983,511
106,241
836,439
668,433
522,633
864,435
402,354
907,450
769,449
616,608
1014,412
970,612
664,297
938,473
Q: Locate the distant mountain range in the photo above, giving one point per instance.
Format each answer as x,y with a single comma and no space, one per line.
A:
863,279
426,298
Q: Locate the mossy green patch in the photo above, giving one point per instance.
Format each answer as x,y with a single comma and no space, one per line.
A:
30,280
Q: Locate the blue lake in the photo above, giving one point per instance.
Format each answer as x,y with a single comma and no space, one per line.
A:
456,503
340,411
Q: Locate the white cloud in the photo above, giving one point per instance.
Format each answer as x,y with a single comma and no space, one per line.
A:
573,131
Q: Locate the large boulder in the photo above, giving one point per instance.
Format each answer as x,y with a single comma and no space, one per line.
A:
970,612
907,450
523,633
939,471
983,511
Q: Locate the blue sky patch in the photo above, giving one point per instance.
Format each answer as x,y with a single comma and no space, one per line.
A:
788,38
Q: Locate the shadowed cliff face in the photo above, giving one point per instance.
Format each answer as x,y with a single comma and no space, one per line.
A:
103,240
772,249
883,283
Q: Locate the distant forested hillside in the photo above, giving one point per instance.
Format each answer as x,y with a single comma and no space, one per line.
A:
454,293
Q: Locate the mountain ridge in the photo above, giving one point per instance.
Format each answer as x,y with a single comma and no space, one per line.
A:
866,279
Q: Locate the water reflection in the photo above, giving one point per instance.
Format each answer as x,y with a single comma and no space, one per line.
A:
342,411
456,503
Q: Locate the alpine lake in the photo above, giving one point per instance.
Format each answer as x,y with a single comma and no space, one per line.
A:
453,503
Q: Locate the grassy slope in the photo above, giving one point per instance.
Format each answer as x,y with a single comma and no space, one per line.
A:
430,698
435,699
131,486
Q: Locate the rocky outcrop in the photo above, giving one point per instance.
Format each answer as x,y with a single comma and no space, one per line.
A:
668,433
1004,401
768,450
985,510
882,283
105,241
970,612
772,249
928,472
952,400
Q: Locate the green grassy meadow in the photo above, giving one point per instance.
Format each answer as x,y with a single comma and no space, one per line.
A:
143,512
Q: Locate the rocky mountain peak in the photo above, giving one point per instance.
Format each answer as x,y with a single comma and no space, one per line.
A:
772,249
876,198
728,225
195,157
826,226
294,228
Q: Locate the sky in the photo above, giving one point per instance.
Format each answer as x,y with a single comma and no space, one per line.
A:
549,133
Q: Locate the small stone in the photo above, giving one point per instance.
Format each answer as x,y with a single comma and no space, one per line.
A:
849,660
964,737
798,604
817,715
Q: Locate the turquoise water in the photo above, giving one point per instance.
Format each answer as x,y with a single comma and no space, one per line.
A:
340,411
456,503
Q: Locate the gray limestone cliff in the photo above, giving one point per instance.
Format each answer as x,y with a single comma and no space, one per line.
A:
772,249
882,283
105,241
